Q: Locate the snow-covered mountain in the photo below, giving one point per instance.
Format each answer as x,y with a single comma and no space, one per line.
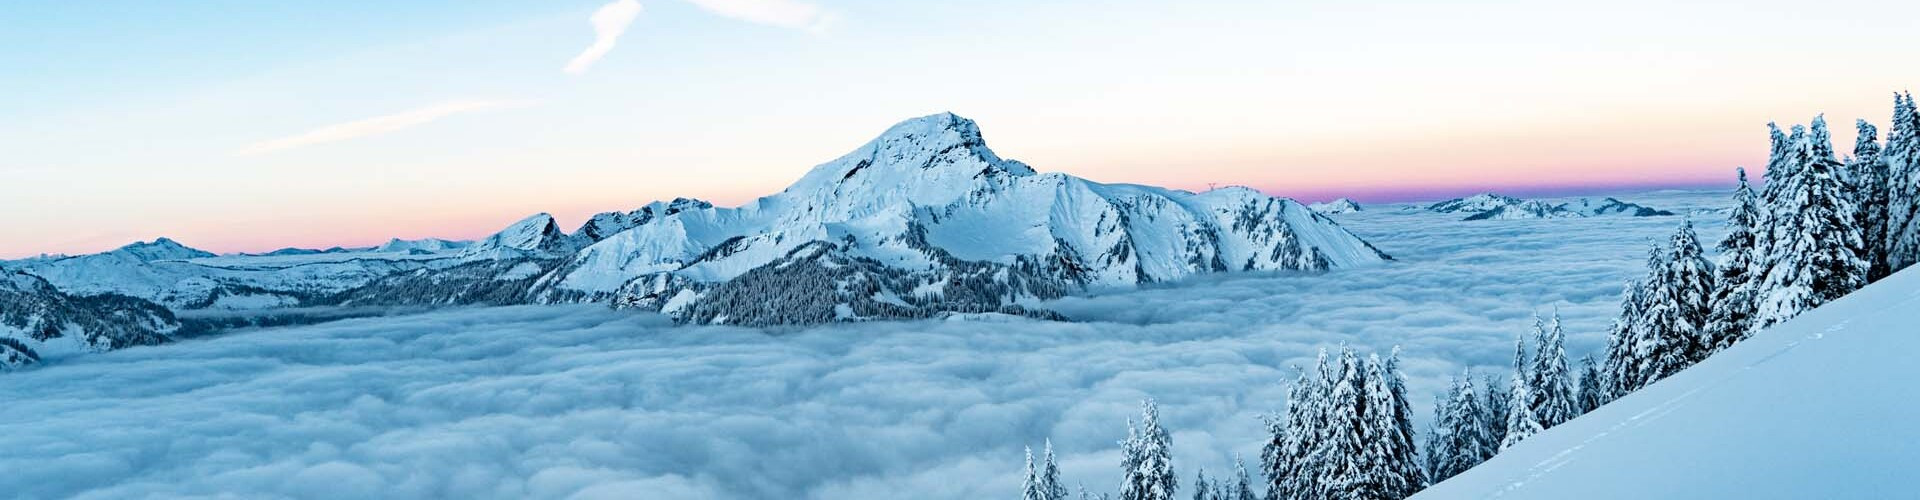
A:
1476,203
537,236
925,217
1340,206
1817,407
1491,206
162,249
164,273
1530,209
424,245
37,320
1612,206
928,198
605,224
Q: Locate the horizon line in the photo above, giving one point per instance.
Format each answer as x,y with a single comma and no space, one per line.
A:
1375,196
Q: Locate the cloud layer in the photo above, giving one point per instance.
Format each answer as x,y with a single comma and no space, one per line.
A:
372,126
609,22
583,402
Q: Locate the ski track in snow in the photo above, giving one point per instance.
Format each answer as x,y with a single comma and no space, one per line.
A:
578,401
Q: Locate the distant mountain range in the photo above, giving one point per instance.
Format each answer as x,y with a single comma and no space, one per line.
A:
1491,206
923,220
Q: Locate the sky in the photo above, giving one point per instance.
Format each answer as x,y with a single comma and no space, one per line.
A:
248,126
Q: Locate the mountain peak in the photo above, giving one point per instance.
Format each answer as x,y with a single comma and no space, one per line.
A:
935,124
937,157
162,248
535,234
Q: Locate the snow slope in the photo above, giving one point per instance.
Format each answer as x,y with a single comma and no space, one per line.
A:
1818,407
37,321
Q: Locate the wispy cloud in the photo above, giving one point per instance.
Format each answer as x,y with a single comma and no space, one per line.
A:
608,23
373,126
783,13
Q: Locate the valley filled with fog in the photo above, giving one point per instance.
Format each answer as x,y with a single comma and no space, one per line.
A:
566,400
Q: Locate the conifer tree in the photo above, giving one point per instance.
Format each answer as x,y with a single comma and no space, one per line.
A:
1735,290
1464,424
1292,459
1549,379
1030,489
1622,373
1050,486
1242,484
1592,389
1149,461
1494,406
1815,256
1393,461
1520,415
1867,186
1439,450
1275,460
1902,159
1406,461
1202,488
1521,424
1676,308
1348,436
1781,166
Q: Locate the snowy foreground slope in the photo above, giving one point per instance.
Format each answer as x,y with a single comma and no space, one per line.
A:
1819,407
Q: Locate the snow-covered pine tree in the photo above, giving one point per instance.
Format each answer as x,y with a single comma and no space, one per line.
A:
1465,424
1520,416
1781,168
1242,488
1902,159
1149,461
1202,488
1275,462
1400,423
1030,488
1677,308
1494,406
1592,389
1867,183
1622,373
1735,297
1521,424
1439,450
1050,486
1549,379
1815,256
1349,435
1779,165
1293,459
1393,461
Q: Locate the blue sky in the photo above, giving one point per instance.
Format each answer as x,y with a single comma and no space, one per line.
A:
252,125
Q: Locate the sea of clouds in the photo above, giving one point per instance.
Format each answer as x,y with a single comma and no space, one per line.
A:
585,402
